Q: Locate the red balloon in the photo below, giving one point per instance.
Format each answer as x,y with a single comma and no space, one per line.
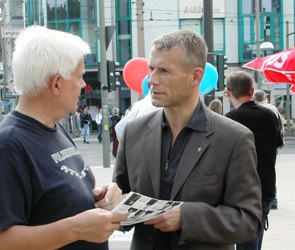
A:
134,72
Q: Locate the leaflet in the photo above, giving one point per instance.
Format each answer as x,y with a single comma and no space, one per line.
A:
141,208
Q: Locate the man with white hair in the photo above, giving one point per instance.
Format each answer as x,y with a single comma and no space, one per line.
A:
48,196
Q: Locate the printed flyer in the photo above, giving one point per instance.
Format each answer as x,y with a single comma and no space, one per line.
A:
141,208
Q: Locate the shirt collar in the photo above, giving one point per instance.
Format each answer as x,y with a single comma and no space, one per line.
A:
199,121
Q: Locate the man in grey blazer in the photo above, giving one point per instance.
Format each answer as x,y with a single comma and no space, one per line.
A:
185,152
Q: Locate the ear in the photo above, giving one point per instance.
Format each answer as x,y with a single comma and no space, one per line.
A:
197,76
55,84
251,92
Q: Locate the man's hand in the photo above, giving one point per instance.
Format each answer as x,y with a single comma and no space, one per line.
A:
108,196
168,222
96,225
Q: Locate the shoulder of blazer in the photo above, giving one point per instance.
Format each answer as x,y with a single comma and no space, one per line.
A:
220,123
149,119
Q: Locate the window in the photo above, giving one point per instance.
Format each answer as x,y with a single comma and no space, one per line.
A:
51,10
271,27
218,35
123,31
61,11
191,24
74,9
265,6
218,29
123,8
77,17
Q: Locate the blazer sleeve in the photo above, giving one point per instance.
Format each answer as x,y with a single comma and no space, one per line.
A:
120,174
237,217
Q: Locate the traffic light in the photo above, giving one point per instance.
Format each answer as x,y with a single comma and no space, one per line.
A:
221,67
111,75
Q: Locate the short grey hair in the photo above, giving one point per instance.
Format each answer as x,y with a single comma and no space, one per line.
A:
240,83
192,44
259,95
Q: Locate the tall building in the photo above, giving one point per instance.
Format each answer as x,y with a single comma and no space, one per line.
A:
236,33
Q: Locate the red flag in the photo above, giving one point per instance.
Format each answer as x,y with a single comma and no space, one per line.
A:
278,68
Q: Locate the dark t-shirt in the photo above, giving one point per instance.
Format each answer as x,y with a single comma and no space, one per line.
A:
43,176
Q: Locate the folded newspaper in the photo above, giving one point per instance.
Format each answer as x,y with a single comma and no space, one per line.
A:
142,208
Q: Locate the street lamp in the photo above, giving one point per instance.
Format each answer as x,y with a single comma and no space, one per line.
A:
266,48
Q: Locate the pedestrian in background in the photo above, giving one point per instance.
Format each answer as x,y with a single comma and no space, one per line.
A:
98,120
184,152
216,106
264,125
77,114
114,119
139,108
261,98
48,196
85,119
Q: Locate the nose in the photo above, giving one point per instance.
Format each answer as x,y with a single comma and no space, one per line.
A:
83,84
152,79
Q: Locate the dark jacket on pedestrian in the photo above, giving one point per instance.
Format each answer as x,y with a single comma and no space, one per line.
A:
264,125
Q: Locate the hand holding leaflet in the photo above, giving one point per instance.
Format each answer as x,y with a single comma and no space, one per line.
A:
141,208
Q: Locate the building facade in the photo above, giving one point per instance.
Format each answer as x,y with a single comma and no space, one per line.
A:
138,22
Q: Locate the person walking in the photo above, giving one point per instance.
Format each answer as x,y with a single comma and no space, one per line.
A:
261,98
114,119
85,119
139,108
48,196
216,106
98,120
264,125
185,152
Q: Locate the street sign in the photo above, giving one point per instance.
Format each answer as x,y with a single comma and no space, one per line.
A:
10,33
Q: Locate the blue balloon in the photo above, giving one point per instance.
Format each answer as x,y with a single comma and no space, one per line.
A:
145,85
209,80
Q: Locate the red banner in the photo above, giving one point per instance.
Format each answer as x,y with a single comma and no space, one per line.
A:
277,68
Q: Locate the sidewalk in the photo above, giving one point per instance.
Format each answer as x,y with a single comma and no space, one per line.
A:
281,232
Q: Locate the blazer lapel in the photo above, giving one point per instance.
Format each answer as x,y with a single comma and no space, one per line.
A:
193,151
152,150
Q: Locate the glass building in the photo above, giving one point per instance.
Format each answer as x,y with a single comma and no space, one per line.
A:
234,28
82,18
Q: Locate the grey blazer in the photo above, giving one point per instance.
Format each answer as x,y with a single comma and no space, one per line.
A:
216,178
